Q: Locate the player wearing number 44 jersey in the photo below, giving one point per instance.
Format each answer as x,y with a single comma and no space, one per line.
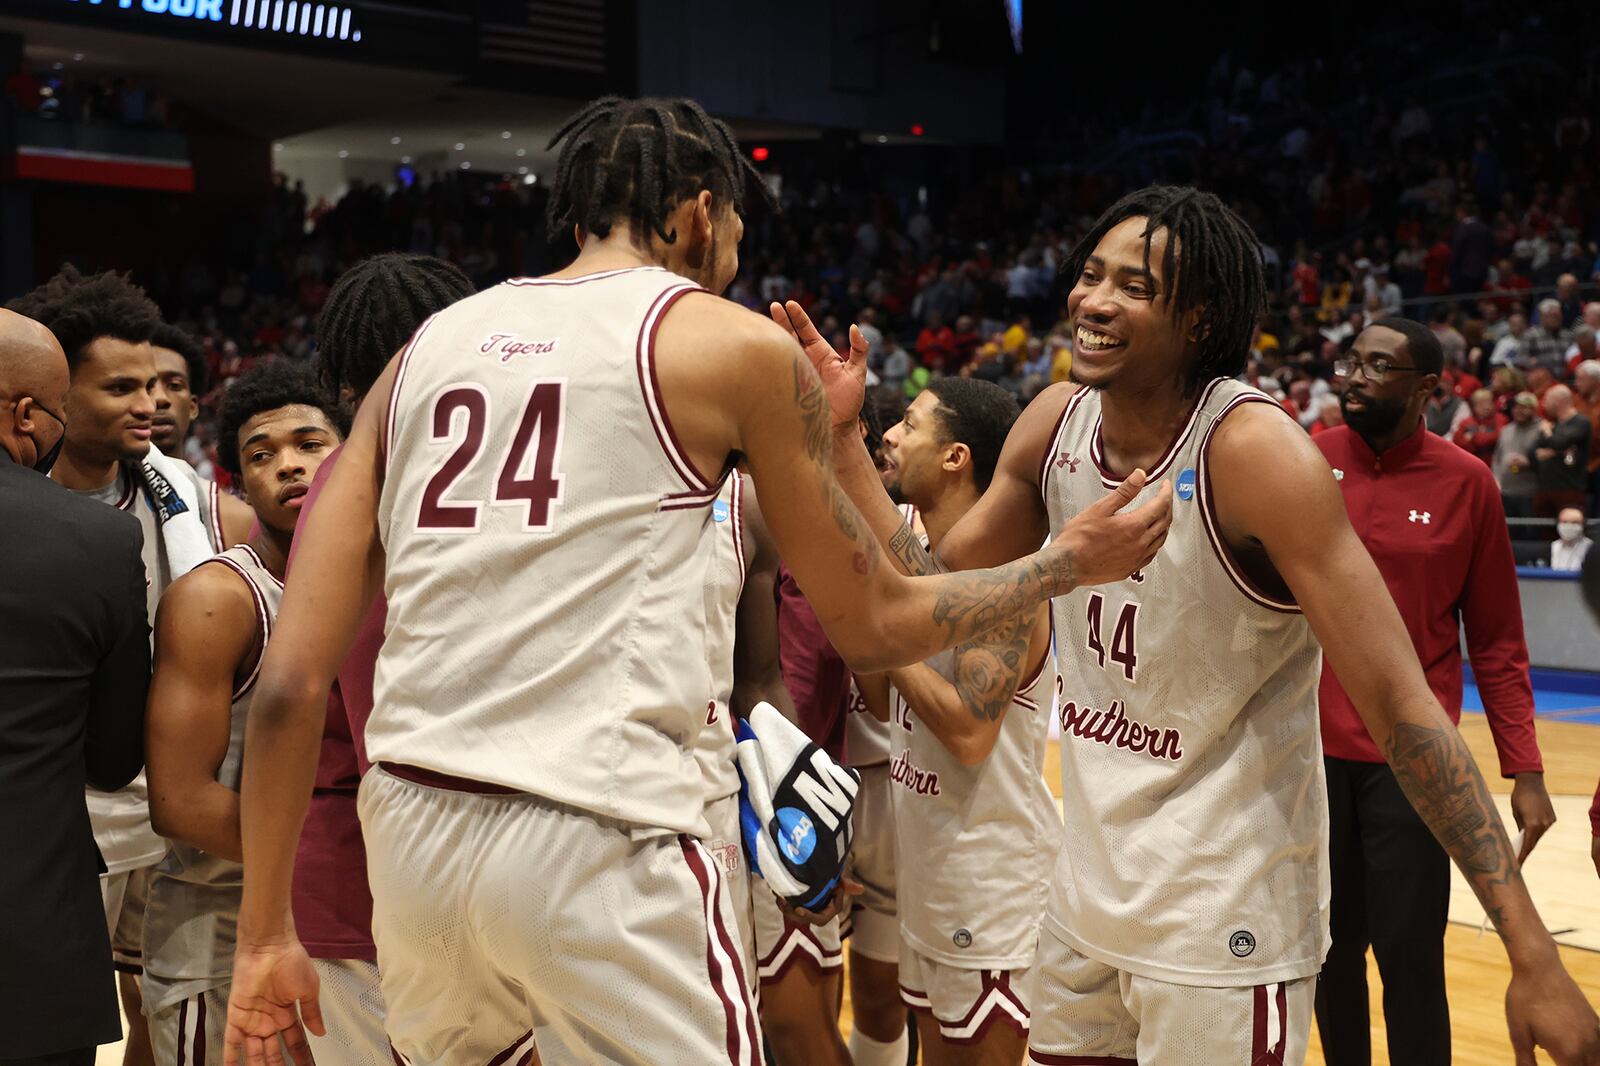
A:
1188,915
531,482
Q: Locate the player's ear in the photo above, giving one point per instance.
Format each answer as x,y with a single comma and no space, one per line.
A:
577,235
957,457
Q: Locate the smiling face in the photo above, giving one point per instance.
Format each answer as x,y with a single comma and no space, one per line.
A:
1123,325
279,453
110,405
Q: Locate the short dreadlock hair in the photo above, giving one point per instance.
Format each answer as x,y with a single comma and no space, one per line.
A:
80,310
1212,260
172,338
374,308
274,384
637,160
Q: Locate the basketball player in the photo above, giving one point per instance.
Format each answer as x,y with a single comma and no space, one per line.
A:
180,381
104,323
277,426
1188,916
370,311
970,803
534,821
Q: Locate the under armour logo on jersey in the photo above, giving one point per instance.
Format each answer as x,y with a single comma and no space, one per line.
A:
1421,516
1065,460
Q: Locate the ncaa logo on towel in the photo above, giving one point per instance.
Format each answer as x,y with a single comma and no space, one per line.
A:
719,511
1185,484
796,835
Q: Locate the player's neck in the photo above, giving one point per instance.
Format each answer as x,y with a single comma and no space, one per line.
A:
940,516
1138,424
615,251
273,547
79,472
1401,432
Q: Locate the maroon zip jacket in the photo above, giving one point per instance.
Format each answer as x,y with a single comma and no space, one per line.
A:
1430,515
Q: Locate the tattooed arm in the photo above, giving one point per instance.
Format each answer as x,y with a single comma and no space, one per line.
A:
966,714
1280,510
875,616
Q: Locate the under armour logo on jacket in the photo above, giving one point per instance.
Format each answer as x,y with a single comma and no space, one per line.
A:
1421,516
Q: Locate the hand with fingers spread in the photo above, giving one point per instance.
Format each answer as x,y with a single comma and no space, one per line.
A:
844,379
274,987
1108,543
1545,1008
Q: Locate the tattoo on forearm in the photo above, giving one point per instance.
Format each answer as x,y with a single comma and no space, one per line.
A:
988,671
906,546
1438,776
814,411
973,602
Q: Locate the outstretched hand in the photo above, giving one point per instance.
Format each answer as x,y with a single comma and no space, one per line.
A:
1107,543
844,379
274,986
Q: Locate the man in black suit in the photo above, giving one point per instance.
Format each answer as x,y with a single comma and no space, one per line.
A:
74,669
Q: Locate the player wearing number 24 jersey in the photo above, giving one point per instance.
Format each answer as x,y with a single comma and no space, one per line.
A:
531,483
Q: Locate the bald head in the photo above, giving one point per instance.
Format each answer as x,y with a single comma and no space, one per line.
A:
1558,402
33,372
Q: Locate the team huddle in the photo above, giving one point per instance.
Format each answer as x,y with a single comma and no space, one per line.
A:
541,573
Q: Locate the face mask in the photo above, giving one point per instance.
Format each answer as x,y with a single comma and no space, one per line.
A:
1569,531
48,459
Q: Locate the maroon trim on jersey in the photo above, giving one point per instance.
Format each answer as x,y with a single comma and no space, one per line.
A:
200,1030
1021,694
218,537
394,389
986,1010
418,775
399,1059
255,557
736,517
580,279
262,618
1044,1058
790,948
1047,464
915,1000
505,1056
1208,514
1097,445
741,1035
650,387
1264,1049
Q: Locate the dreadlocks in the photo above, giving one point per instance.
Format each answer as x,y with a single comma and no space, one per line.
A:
373,309
636,160
1212,261
80,310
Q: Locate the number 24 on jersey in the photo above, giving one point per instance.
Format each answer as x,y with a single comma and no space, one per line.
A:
527,475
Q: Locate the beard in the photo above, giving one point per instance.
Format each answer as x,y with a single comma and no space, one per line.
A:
1379,417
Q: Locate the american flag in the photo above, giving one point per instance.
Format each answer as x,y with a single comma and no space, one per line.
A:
569,34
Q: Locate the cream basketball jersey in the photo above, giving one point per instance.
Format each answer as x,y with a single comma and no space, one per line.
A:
549,548
1196,834
985,836
192,917
728,566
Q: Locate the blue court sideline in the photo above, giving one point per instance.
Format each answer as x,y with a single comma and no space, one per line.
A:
1567,695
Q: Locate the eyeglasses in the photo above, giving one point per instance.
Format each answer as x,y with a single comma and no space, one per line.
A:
1374,369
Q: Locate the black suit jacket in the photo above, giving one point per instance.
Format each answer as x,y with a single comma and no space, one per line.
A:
74,670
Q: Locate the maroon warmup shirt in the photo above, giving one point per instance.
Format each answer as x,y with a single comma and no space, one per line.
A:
1430,515
332,902
815,675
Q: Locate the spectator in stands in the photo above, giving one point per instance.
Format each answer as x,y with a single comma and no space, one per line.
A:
936,343
1508,349
1479,432
1444,411
1546,344
1562,455
1450,338
965,340
1586,398
893,362
1513,457
1511,285
1567,551
1570,302
1494,325
1583,347
1470,251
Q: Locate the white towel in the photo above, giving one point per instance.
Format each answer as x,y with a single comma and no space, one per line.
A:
171,493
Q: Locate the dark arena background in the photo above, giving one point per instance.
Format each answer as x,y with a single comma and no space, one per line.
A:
933,164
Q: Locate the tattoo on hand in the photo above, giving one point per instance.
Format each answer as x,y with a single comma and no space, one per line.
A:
1438,776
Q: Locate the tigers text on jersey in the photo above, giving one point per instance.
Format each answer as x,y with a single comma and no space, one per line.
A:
549,551
984,837
714,750
1191,762
191,917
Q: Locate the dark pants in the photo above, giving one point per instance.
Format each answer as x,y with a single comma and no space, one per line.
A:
83,1056
1391,890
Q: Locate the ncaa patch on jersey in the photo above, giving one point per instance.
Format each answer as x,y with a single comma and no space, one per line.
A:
1185,486
719,510
1242,943
798,837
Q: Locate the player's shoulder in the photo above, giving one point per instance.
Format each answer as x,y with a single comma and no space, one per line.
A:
213,591
702,309
1255,433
